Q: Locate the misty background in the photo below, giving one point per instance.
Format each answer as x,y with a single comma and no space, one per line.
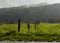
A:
31,11
15,3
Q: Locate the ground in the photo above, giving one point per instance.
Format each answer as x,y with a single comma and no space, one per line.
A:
43,32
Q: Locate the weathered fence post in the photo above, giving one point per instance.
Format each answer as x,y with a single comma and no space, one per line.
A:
18,25
35,26
28,27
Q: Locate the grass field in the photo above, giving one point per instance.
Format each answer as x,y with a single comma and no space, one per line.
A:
43,32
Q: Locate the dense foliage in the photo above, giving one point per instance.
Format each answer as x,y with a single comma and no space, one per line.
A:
45,13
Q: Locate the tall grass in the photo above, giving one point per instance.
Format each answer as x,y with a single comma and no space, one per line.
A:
43,32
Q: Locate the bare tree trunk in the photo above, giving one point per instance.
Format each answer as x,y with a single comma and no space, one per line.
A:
18,25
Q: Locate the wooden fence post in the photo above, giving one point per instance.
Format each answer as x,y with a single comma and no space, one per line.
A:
18,25
35,26
28,27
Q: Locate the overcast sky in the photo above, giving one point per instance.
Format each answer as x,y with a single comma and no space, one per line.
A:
11,3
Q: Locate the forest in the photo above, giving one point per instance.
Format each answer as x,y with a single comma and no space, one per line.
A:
31,14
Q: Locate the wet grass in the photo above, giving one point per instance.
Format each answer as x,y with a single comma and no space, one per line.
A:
43,32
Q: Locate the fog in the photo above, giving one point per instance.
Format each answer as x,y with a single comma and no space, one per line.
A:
16,3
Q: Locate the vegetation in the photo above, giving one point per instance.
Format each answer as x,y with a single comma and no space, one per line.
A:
43,32
43,13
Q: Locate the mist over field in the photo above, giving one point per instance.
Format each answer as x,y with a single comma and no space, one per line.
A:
29,21
41,12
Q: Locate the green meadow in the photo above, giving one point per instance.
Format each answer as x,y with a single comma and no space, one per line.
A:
43,32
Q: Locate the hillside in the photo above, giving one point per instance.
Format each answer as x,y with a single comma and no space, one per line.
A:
46,13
